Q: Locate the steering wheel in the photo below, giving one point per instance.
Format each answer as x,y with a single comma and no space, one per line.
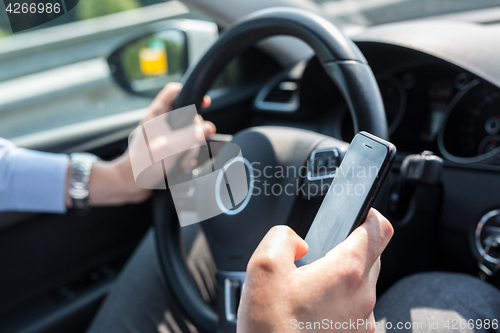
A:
233,237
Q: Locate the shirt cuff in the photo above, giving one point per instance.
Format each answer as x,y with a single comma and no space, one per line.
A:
39,181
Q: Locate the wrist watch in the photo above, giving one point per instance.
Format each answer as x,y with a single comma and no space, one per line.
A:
81,166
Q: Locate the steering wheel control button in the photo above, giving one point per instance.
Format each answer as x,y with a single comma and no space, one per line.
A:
205,179
487,237
323,164
321,168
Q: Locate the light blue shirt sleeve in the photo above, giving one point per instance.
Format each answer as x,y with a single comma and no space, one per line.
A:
32,181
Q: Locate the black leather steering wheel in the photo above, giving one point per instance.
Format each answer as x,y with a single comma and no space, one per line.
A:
233,238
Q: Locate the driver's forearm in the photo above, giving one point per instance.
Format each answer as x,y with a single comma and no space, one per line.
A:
105,185
108,186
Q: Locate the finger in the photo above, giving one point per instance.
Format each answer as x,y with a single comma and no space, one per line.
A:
278,251
366,243
206,101
165,99
177,142
374,273
209,129
371,284
189,160
371,323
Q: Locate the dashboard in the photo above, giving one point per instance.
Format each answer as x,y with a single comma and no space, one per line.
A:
431,103
440,84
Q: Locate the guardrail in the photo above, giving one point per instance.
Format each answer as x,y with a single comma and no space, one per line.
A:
56,77
40,50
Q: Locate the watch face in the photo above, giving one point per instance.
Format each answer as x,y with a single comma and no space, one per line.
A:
81,166
78,193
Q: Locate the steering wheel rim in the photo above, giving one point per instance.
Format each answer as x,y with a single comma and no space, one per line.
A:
342,61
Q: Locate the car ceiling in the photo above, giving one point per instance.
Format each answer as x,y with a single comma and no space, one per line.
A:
464,39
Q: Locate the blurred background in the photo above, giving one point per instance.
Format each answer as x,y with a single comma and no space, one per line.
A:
56,74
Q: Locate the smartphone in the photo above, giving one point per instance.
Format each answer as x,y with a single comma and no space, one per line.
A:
357,182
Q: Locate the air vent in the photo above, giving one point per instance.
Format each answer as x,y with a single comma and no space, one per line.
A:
283,92
279,95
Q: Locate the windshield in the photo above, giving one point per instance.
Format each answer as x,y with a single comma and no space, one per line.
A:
373,12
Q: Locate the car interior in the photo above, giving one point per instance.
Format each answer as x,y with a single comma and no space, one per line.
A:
284,84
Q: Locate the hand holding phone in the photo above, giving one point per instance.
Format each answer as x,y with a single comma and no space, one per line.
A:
351,194
271,271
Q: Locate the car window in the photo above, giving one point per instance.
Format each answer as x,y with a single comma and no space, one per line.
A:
56,75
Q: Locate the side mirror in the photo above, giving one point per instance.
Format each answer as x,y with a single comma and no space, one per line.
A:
158,55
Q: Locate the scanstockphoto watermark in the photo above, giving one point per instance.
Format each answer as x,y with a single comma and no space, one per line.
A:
327,324
449,324
290,180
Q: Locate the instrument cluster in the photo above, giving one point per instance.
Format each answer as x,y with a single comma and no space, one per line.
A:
441,108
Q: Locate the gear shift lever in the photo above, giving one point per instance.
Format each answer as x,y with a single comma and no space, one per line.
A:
424,169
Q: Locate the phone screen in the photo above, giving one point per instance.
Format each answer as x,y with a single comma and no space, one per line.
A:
346,197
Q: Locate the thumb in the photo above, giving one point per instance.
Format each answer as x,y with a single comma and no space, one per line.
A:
365,244
278,251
